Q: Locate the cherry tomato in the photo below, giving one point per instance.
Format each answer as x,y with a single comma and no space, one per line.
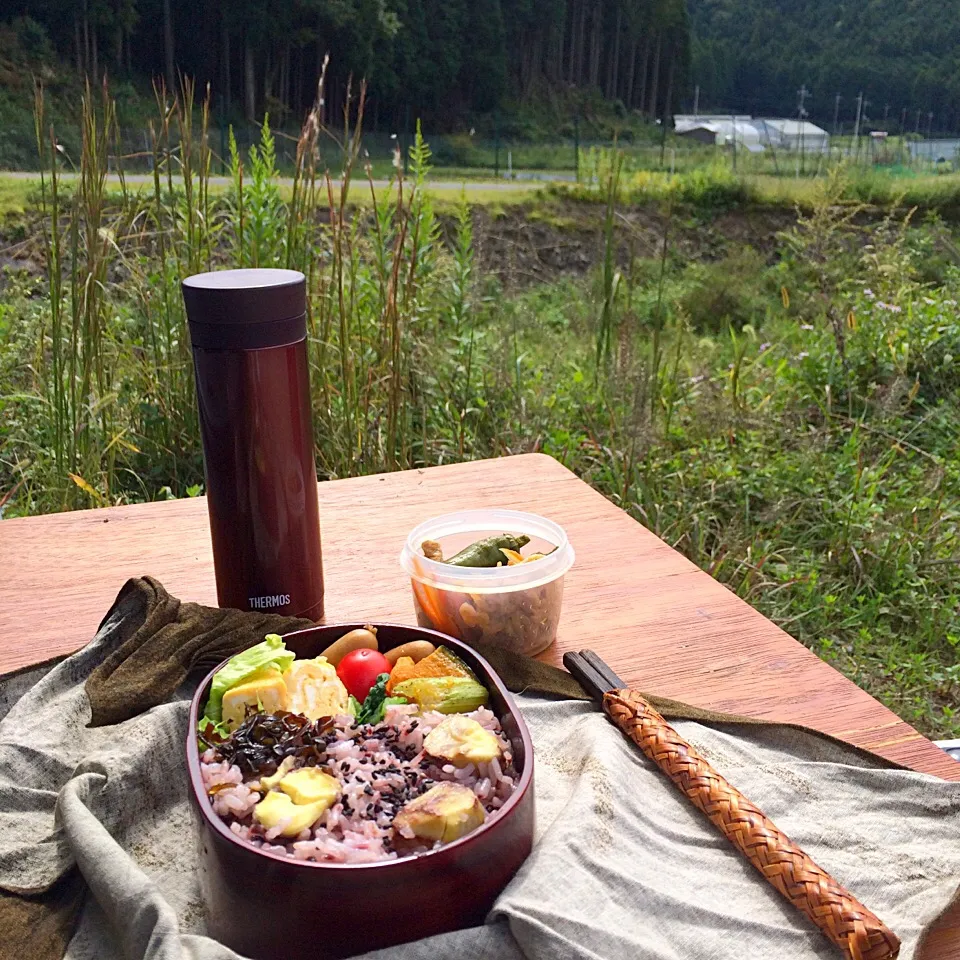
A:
359,670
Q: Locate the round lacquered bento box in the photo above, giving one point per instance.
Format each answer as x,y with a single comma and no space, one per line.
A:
270,907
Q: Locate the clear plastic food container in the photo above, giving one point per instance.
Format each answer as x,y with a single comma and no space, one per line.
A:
516,607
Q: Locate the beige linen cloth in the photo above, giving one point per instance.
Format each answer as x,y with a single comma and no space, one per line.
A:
623,866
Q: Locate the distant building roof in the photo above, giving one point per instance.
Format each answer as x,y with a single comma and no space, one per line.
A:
754,133
796,128
687,121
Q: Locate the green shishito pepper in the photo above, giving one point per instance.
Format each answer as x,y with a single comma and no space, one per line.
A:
486,553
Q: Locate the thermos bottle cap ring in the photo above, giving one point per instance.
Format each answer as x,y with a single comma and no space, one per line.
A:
245,309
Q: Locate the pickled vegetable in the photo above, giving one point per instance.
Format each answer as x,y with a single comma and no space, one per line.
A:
432,550
524,621
487,552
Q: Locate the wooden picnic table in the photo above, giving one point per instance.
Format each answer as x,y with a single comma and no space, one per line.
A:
662,623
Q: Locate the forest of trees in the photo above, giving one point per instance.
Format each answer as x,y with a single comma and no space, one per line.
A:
435,59
451,61
754,55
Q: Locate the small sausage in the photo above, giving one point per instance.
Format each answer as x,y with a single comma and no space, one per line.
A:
416,650
364,638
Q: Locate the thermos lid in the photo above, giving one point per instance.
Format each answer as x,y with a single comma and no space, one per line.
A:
246,309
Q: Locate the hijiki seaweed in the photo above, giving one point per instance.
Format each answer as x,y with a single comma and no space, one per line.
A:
264,740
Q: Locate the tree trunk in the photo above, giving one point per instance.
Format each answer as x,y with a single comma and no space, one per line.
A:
225,57
667,108
249,82
267,80
534,64
655,78
168,57
77,44
595,44
644,70
118,47
298,89
572,46
615,62
96,57
86,37
582,44
631,74
556,72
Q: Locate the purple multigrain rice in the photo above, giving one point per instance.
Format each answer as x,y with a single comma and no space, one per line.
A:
379,769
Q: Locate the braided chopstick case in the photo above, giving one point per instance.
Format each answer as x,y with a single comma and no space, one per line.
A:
846,921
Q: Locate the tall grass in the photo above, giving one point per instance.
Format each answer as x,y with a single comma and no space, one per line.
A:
114,360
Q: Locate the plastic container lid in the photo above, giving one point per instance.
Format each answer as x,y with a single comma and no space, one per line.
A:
246,309
522,576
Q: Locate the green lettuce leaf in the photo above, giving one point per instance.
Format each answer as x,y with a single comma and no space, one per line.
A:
271,652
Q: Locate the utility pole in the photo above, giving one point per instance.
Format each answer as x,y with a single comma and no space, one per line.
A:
886,113
929,124
734,142
836,114
803,93
696,102
856,126
576,143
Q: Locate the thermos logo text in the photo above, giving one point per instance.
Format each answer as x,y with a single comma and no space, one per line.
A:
265,603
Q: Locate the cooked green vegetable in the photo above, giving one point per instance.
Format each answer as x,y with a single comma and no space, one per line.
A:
486,553
375,706
271,652
444,694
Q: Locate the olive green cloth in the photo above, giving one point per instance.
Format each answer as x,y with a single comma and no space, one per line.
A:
136,674
162,641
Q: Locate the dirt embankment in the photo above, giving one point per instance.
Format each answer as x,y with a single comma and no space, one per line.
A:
525,245
536,242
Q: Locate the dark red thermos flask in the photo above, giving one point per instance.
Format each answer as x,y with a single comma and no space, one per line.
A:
249,335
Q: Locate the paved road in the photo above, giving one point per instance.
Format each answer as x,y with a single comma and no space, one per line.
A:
435,186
